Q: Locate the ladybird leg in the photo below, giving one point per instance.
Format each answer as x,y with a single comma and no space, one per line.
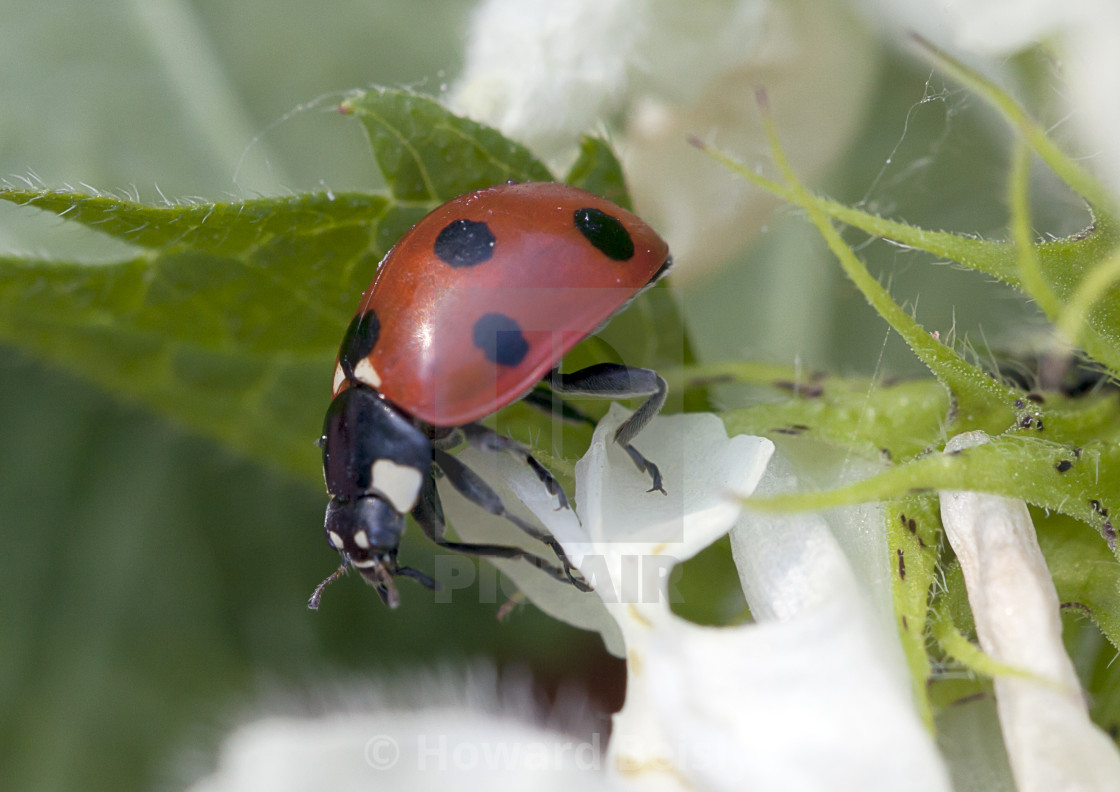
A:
449,440
486,439
551,403
471,486
415,574
428,514
616,381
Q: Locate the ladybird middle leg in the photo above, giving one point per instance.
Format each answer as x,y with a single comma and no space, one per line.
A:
486,439
616,381
471,486
428,514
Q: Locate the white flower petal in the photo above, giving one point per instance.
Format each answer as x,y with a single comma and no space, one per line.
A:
516,484
791,563
1051,743
629,538
812,697
803,704
404,749
702,471
815,696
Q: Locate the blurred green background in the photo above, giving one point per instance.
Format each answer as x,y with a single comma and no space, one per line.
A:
153,586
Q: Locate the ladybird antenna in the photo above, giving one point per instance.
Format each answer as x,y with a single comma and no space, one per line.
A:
317,594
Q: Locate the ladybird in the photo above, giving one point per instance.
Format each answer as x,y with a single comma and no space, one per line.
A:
470,311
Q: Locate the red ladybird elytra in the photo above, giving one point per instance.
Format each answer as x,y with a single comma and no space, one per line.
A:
472,309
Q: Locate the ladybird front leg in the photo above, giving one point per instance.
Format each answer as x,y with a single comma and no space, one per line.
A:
616,381
428,514
486,439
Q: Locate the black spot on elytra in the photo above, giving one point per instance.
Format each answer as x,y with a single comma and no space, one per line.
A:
359,341
500,339
606,233
464,243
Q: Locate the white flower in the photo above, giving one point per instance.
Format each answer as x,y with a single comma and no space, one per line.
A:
457,730
624,539
1051,743
648,73
813,696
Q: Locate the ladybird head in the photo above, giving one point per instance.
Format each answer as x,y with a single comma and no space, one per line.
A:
375,462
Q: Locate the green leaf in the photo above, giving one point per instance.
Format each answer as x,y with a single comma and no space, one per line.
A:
429,156
897,420
1055,456
229,316
598,170
1078,481
229,323
956,645
226,229
1085,573
913,535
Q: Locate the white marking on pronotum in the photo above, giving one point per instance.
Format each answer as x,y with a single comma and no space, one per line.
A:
339,378
365,372
399,484
336,540
365,563
361,540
